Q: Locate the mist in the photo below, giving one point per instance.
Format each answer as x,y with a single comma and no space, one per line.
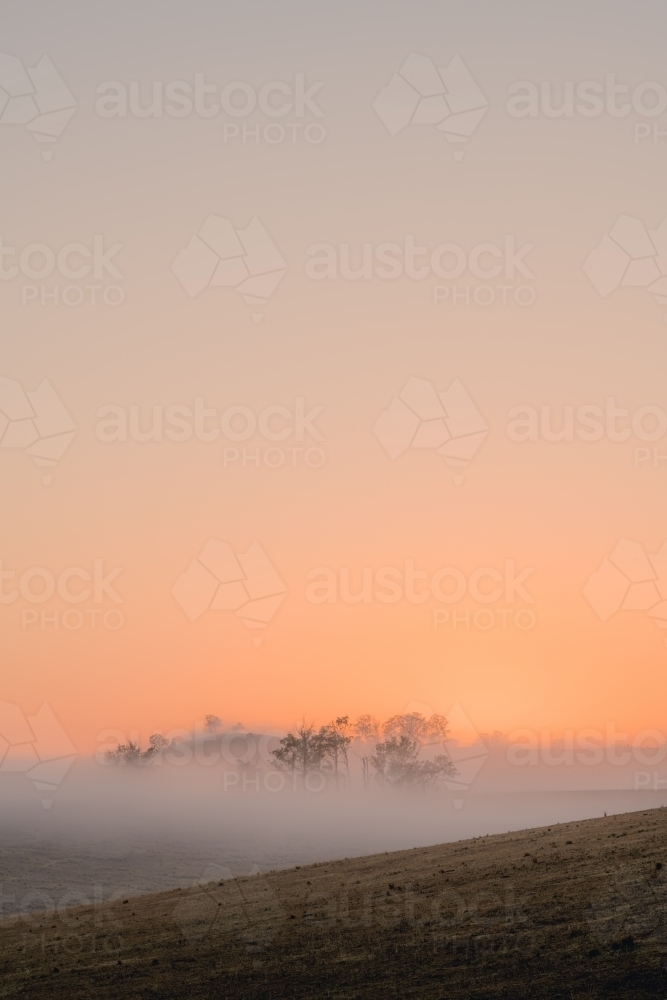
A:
117,830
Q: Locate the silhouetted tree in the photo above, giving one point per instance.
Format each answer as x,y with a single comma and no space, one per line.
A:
417,727
301,751
335,741
131,753
366,728
365,769
396,763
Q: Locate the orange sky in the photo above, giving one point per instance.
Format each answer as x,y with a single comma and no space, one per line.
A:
347,348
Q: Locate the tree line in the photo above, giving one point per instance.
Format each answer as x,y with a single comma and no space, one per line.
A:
396,757
391,751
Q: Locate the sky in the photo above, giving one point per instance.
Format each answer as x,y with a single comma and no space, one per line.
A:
512,272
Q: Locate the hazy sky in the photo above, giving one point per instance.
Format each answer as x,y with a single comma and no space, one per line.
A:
295,130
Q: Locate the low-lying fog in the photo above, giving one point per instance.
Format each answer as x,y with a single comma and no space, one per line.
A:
111,830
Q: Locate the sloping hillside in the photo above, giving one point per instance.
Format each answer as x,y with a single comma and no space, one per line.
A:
577,910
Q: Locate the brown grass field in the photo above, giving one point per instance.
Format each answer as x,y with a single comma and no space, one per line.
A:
575,911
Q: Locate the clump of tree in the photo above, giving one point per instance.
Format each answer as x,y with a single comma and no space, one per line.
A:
396,762
131,753
398,744
394,756
367,729
324,749
414,725
398,752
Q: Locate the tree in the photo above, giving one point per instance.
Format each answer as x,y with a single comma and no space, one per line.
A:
157,743
438,729
301,751
213,723
335,741
413,725
396,762
366,728
131,753
125,753
323,750
417,727
365,770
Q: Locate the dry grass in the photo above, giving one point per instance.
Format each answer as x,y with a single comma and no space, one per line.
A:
576,911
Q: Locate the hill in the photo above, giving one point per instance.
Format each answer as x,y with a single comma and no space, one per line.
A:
576,911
